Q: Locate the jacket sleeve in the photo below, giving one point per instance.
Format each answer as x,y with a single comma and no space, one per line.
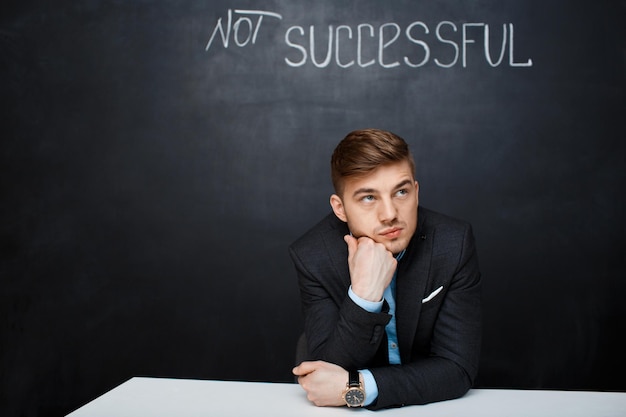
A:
337,330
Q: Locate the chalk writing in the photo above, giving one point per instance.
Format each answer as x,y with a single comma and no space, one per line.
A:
253,30
387,45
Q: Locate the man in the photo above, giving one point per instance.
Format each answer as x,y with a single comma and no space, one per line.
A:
390,292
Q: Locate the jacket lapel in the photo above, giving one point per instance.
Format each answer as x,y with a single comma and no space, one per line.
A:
411,281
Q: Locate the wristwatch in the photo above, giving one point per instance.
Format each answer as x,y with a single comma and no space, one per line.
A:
354,395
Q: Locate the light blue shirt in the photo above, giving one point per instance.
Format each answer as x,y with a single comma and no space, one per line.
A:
371,388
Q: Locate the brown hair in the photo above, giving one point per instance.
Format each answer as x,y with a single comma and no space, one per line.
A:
362,151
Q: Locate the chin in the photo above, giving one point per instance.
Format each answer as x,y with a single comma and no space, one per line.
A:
396,247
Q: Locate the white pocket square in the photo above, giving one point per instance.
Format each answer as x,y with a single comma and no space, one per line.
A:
432,295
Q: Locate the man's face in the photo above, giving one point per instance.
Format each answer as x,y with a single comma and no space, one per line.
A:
381,205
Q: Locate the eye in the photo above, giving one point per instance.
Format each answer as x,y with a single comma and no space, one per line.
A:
367,198
403,192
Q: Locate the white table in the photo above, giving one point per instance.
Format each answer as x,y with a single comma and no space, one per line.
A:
162,397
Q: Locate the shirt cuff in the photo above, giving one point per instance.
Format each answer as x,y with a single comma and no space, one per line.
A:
369,384
370,306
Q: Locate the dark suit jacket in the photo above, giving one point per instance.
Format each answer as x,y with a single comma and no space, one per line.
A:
439,339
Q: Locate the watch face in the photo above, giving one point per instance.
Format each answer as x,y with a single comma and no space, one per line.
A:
354,397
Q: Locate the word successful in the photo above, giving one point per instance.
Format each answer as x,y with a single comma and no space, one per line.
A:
388,45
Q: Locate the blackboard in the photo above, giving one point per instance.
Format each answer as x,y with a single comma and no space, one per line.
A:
158,157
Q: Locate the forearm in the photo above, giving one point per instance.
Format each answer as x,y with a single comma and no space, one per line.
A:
421,382
337,329
345,335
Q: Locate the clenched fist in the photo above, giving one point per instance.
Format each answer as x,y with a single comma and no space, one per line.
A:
371,267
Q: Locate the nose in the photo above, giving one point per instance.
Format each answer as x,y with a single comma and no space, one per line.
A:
387,211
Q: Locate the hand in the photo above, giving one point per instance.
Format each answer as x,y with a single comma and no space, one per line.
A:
371,267
323,382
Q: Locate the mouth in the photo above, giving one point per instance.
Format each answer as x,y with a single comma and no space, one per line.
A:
391,233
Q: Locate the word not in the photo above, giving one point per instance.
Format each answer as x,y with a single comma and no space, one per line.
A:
389,45
252,30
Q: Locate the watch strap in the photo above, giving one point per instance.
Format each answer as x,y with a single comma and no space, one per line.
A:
353,379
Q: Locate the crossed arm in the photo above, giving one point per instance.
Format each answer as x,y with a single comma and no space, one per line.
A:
344,336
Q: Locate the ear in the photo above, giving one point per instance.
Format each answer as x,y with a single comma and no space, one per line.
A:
417,192
338,208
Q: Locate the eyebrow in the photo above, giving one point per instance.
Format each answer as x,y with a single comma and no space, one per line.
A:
374,191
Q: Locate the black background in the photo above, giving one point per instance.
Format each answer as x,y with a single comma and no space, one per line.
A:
150,187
